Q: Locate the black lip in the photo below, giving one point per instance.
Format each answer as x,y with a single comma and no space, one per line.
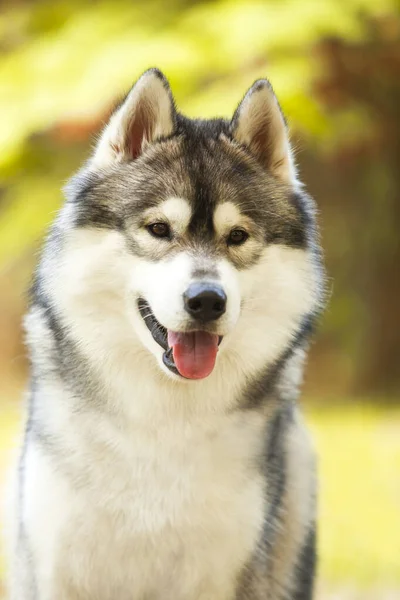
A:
160,334
168,360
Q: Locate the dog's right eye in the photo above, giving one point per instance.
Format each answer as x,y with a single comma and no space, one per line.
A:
159,230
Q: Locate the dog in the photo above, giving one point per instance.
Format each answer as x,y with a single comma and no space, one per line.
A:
165,456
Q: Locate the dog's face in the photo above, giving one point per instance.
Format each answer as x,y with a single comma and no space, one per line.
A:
210,236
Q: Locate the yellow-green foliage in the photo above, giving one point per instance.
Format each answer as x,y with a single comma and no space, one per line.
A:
75,56
359,521
359,453
69,60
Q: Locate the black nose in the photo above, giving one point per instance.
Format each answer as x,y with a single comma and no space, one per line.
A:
205,301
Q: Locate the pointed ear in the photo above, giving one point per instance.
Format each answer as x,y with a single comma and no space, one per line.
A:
147,114
259,124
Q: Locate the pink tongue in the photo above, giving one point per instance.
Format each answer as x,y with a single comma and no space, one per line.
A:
194,353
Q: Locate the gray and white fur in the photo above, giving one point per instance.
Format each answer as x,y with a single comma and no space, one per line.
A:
135,483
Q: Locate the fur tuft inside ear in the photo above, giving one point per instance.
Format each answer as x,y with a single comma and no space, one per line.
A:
259,124
147,114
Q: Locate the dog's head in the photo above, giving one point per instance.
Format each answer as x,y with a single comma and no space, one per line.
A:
195,232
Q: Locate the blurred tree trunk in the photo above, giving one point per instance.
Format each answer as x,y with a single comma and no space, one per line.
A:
366,78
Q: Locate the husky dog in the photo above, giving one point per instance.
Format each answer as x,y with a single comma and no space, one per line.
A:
165,457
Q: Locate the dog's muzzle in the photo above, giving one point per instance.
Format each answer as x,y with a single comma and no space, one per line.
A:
189,354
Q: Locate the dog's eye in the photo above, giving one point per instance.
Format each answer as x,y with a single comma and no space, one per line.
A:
237,237
160,230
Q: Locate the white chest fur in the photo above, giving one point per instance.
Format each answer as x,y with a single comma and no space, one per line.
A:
169,511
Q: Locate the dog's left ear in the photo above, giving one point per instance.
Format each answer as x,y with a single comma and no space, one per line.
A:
147,114
259,124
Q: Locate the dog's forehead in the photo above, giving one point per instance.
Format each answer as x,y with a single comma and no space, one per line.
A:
208,181
205,175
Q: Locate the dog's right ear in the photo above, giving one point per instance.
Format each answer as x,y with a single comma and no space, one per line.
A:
147,114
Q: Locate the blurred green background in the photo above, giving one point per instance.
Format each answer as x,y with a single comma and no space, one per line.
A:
335,65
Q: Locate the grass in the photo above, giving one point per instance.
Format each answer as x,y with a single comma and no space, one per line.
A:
359,509
359,514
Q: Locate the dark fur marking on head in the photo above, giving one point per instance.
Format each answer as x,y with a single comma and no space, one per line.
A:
293,232
201,162
91,209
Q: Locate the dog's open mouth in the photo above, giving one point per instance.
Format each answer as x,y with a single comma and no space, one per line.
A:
191,355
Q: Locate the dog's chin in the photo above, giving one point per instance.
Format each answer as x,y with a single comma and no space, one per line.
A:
186,355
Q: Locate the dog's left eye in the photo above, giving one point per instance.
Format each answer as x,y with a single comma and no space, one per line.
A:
160,230
237,236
